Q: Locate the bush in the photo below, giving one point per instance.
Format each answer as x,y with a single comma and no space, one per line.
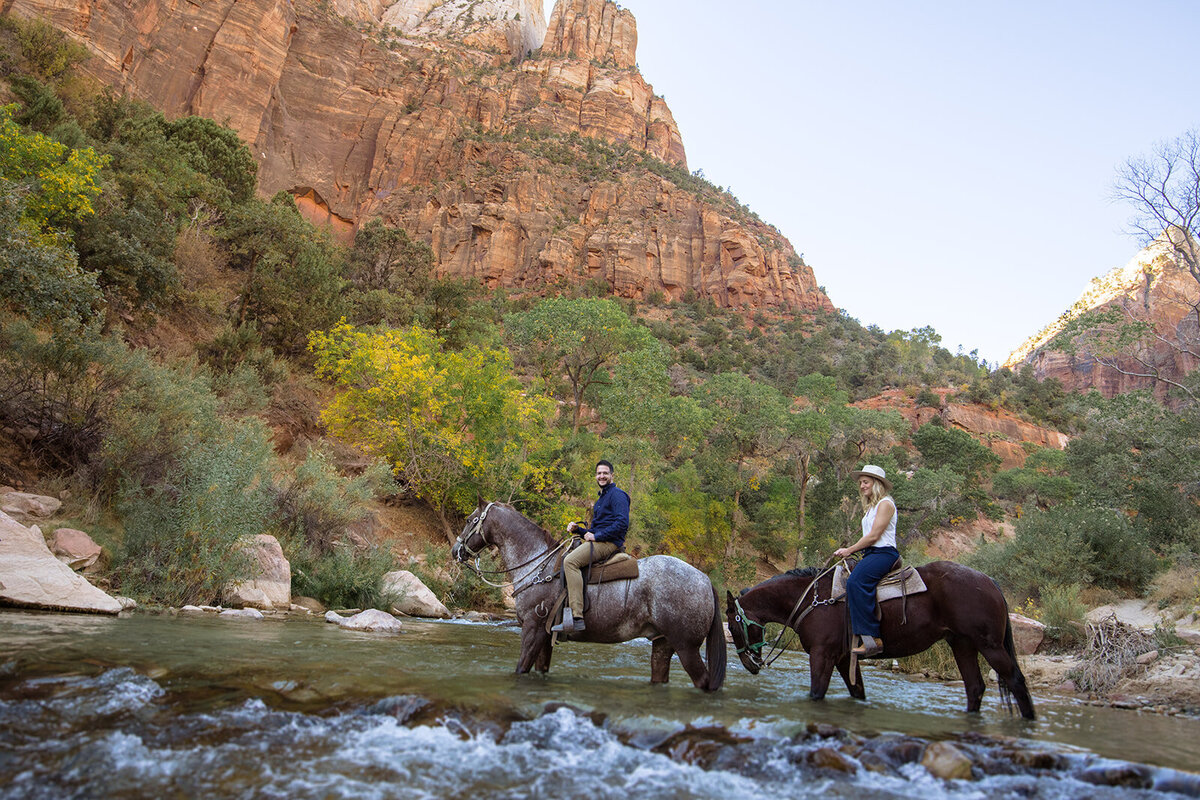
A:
344,577
1068,544
182,534
1063,614
315,505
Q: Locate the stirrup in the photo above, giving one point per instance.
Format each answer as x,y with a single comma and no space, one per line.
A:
865,650
568,622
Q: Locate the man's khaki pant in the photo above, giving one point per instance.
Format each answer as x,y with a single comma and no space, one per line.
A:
573,564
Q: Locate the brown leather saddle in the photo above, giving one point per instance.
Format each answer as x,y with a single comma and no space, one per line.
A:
899,583
620,566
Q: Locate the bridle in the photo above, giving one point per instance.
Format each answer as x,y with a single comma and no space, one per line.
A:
476,528
542,558
777,649
744,623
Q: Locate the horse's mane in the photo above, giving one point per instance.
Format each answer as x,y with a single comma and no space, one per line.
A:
804,572
526,522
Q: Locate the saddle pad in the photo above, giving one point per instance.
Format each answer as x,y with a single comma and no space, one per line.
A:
901,582
619,567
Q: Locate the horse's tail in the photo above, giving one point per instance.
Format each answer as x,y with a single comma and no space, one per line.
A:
1016,684
715,650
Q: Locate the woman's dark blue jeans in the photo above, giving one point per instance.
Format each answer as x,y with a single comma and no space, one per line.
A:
860,588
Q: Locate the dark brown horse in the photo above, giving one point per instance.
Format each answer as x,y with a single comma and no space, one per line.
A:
670,602
961,606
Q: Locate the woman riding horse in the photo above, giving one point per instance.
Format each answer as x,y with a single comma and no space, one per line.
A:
879,555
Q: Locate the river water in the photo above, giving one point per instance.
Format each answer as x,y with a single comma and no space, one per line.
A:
158,706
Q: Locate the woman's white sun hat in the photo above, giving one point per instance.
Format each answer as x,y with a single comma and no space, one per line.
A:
872,471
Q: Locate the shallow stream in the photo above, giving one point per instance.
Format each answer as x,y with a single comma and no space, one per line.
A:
149,706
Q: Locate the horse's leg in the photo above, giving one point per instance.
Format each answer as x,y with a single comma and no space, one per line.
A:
1004,661
966,655
543,659
820,670
857,689
534,640
660,660
693,663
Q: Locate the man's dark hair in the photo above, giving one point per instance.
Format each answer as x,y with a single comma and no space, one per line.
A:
605,463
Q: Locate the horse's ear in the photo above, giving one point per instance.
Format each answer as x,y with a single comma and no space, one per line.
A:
729,599
479,499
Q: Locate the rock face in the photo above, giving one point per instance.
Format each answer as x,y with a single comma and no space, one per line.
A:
1002,432
526,173
31,576
1151,288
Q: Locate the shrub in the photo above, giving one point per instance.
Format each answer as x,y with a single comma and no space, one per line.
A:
182,533
344,577
315,505
1068,544
1063,614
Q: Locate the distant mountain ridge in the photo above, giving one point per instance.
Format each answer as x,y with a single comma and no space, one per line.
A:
522,167
1154,289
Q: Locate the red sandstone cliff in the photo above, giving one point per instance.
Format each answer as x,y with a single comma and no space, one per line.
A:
1001,432
522,168
1152,288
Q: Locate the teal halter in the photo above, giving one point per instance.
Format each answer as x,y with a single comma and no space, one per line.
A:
755,648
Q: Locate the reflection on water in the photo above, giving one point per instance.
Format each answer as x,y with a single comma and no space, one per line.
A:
147,706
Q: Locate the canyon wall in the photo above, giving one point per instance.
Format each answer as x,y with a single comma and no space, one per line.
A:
523,166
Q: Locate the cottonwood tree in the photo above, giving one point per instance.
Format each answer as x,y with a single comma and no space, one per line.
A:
454,424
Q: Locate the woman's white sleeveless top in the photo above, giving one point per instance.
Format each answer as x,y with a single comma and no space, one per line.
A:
868,521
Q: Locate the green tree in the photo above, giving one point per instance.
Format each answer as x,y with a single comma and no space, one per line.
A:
292,280
454,425
574,339
749,423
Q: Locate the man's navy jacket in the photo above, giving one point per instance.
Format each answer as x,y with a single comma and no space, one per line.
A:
610,516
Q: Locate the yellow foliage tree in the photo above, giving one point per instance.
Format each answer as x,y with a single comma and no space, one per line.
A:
455,425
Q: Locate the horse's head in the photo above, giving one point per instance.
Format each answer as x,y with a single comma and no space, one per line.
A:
748,634
472,541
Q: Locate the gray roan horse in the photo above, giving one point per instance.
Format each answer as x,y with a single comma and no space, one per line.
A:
670,602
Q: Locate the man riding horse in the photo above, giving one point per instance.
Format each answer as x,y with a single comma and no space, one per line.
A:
606,536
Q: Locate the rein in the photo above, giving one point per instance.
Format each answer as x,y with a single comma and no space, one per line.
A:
777,649
542,558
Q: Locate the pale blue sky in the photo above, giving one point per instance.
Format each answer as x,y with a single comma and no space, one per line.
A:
938,163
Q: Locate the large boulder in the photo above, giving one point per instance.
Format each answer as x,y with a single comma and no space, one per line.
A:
31,576
29,505
75,548
415,598
270,582
1027,634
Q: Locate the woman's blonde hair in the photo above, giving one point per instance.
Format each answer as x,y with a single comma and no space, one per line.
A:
877,493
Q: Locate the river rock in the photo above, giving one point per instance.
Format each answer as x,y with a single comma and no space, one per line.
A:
1027,634
75,548
372,620
270,582
310,604
246,613
29,505
415,598
30,575
944,760
829,758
